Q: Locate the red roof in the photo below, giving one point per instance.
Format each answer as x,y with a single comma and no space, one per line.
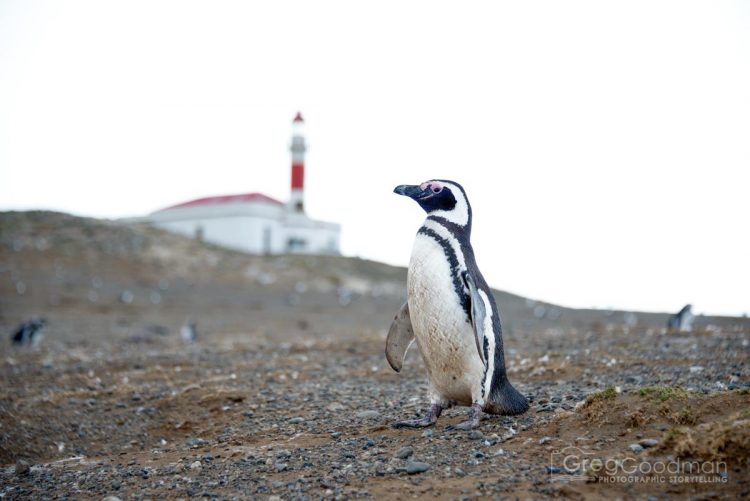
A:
227,199
298,118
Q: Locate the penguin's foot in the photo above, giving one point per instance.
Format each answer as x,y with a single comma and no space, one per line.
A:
472,422
431,418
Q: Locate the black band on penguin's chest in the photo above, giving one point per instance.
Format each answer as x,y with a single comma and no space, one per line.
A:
450,254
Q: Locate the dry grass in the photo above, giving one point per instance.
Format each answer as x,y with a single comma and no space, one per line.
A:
727,439
597,404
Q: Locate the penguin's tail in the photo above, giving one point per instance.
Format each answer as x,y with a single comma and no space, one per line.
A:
506,400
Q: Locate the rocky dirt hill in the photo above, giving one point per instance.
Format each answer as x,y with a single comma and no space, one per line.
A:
286,392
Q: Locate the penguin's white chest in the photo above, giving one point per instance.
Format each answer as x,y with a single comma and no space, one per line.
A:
443,333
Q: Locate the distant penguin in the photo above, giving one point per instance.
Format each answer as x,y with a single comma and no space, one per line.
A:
683,320
29,333
451,313
188,332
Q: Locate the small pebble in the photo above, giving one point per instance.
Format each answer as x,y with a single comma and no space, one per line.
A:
648,442
368,414
195,465
297,420
475,435
404,452
414,467
335,407
281,466
635,448
22,467
427,434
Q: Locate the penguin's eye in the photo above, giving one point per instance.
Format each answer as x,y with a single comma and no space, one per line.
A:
436,189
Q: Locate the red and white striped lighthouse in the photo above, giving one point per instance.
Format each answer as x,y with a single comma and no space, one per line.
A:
298,148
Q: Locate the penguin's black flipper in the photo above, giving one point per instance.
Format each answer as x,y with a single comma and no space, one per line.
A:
478,315
400,337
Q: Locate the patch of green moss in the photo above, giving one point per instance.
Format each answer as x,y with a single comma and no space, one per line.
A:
606,394
663,393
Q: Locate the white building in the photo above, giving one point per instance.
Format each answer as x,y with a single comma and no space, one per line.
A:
253,222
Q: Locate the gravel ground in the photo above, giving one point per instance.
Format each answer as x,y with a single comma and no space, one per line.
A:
310,419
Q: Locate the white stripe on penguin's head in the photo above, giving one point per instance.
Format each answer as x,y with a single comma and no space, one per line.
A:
460,214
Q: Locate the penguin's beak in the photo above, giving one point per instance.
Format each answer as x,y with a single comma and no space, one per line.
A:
409,190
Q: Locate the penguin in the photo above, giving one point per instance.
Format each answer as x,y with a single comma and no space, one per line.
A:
189,332
29,333
683,320
451,314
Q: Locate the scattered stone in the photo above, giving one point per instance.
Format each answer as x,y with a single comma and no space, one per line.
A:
552,470
22,467
648,442
111,498
544,440
196,465
335,407
508,434
695,369
414,467
427,434
368,414
635,448
281,467
297,420
404,452
195,442
459,472
475,435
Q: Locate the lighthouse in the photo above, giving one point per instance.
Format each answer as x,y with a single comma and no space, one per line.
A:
254,222
298,148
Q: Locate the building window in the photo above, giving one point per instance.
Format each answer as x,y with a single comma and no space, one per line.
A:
199,233
295,244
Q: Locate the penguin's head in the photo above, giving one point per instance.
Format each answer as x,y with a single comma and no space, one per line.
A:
439,197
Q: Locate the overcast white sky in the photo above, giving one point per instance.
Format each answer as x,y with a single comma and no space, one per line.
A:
605,146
